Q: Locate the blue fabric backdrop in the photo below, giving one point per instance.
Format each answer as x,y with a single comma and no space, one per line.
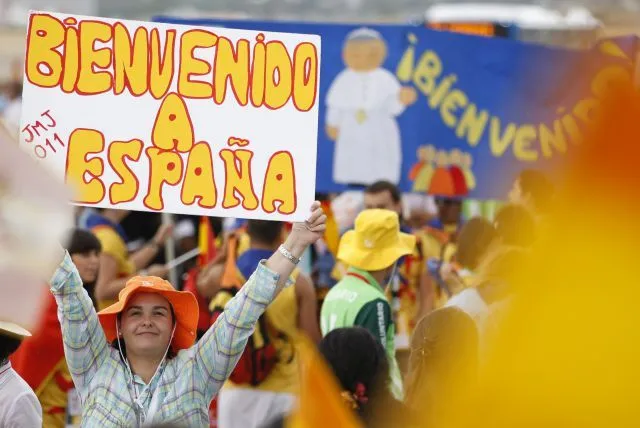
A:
536,101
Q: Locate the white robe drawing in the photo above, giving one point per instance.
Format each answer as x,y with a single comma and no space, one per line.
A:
363,106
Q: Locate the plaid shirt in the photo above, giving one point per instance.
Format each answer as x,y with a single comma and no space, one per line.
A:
186,384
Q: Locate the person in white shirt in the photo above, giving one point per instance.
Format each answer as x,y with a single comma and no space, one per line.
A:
363,102
19,406
497,275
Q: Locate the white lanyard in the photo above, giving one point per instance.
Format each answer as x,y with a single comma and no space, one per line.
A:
153,409
145,416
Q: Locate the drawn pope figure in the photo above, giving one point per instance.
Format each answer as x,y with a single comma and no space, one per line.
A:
362,105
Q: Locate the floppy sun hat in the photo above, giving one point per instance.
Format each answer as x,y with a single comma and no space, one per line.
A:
376,241
14,330
184,304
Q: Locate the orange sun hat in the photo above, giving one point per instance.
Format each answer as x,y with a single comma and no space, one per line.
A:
184,304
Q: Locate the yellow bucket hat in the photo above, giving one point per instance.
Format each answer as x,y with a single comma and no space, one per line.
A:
376,241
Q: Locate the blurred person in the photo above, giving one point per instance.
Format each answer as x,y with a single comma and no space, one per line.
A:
13,107
247,405
567,350
40,359
516,226
117,266
359,362
493,285
346,206
438,241
34,217
85,249
142,366
442,366
19,406
477,237
371,251
534,190
441,231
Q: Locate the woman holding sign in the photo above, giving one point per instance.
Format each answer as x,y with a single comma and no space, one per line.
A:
144,367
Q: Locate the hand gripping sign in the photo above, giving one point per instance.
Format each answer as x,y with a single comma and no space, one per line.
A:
174,118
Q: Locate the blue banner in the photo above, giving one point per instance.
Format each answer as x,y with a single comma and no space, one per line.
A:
444,113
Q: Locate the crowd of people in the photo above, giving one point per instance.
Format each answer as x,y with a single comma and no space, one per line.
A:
118,345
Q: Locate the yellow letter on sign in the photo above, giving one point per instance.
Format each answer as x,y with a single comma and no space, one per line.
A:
280,184
44,63
198,180
81,143
173,129
165,167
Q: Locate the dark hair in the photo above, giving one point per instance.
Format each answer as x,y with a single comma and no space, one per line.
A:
384,186
473,241
82,241
449,210
8,345
443,362
538,187
443,200
515,226
356,357
264,231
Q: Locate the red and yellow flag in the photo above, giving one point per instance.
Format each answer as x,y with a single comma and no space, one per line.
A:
206,242
207,246
319,404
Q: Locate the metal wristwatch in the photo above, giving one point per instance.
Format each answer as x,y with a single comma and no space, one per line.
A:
293,259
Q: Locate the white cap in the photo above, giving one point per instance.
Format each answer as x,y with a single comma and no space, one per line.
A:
184,229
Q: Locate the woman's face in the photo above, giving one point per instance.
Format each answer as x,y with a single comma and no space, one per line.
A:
147,325
87,264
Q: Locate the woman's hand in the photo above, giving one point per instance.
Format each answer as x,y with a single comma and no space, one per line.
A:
306,233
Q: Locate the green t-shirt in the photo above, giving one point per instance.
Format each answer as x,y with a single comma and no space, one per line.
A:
359,301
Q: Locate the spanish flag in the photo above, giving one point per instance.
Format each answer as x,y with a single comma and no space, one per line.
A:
207,246
206,242
319,403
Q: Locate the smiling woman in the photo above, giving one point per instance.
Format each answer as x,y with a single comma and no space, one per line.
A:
143,366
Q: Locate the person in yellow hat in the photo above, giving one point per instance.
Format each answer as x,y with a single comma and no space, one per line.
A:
19,406
136,363
371,251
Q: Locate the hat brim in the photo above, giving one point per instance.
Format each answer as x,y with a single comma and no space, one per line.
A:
373,259
12,329
185,309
